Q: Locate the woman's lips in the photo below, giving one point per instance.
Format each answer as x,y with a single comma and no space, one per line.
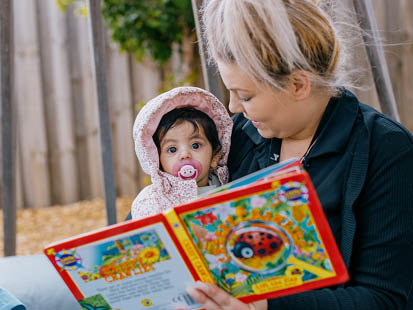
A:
256,124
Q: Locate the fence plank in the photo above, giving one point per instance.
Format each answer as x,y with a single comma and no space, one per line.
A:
7,130
85,114
391,25
122,117
97,43
406,106
58,101
146,84
30,110
378,64
212,79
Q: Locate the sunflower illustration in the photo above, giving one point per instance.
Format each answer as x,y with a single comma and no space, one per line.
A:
149,255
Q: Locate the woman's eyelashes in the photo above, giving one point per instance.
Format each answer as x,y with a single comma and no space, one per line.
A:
244,97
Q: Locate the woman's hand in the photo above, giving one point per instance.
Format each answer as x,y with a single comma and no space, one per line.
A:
213,298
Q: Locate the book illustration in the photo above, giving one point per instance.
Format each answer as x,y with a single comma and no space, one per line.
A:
68,260
117,259
96,302
133,268
258,246
254,243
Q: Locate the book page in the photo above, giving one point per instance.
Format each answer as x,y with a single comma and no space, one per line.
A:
140,269
283,167
268,240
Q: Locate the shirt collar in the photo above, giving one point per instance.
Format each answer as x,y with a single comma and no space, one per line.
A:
338,118
336,124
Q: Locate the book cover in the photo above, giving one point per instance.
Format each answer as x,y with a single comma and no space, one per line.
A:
258,240
265,240
131,265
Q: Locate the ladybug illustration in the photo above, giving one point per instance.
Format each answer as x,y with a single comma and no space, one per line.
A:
256,243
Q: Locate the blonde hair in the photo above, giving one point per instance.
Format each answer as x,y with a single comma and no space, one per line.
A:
271,38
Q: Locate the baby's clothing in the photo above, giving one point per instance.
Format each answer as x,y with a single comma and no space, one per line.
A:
213,182
167,190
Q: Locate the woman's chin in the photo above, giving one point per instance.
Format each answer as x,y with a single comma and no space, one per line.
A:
266,133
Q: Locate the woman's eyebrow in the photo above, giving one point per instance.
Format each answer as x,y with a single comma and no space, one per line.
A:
239,89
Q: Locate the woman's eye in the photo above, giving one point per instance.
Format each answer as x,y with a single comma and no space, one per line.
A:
196,146
245,99
171,149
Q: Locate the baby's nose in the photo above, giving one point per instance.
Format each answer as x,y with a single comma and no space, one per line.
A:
185,154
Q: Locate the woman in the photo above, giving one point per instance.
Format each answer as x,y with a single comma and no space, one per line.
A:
281,61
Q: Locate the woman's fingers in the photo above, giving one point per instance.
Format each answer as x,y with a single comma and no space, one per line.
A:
219,296
214,298
203,299
259,305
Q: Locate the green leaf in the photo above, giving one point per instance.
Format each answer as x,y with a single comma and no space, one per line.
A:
148,27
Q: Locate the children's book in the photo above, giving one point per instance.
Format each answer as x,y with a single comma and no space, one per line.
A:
257,240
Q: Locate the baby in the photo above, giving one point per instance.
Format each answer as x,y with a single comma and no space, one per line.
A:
182,139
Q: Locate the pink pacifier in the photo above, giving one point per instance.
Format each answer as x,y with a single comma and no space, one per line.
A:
187,170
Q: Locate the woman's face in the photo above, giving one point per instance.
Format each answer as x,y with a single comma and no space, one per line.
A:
275,113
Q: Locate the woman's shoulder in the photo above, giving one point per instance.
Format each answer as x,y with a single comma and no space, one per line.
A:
384,131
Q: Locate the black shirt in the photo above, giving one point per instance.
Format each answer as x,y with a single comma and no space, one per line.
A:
361,167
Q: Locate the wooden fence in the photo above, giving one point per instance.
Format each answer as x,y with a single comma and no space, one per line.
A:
58,149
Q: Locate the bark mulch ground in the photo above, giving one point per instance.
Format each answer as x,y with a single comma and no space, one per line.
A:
38,227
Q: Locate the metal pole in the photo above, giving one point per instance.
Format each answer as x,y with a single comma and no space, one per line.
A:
97,47
367,20
210,73
7,129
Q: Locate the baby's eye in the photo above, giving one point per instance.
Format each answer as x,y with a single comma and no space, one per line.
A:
171,149
196,146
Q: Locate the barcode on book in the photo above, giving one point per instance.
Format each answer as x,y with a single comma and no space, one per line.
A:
184,299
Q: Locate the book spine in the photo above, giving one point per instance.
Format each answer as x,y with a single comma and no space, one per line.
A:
189,248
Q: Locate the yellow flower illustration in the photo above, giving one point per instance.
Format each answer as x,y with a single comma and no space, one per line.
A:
149,255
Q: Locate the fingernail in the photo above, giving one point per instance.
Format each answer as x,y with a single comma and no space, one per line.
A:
201,285
191,291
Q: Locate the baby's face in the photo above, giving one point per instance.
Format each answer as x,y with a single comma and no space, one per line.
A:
184,147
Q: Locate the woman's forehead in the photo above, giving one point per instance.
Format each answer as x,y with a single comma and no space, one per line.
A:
234,77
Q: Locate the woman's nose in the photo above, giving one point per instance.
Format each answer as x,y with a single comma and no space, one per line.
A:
234,106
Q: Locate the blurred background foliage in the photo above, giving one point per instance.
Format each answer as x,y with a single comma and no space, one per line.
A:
150,26
145,26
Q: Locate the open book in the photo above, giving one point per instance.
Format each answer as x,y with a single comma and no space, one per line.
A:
260,237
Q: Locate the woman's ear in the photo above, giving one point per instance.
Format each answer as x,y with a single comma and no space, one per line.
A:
300,84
